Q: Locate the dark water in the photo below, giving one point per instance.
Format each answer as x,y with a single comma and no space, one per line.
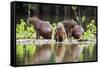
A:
54,53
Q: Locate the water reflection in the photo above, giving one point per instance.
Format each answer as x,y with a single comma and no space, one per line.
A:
55,53
43,54
59,50
72,53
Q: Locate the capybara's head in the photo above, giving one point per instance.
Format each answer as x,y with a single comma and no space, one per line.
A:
60,26
33,19
69,23
77,31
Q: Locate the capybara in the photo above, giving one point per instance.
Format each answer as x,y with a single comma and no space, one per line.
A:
69,24
43,28
77,32
60,33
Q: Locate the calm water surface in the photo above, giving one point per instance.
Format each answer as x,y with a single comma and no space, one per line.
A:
55,53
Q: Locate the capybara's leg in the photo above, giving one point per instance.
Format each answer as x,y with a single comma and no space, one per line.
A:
37,36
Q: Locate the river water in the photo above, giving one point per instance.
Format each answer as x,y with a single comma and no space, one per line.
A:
55,53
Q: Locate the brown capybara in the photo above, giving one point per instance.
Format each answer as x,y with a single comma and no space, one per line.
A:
69,24
77,32
43,28
60,33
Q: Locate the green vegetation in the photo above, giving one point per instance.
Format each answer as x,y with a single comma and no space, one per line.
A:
90,33
24,31
20,51
31,49
23,52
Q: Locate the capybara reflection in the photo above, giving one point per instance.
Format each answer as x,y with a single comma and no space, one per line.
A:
72,53
43,28
60,33
60,50
69,24
43,54
67,53
77,32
